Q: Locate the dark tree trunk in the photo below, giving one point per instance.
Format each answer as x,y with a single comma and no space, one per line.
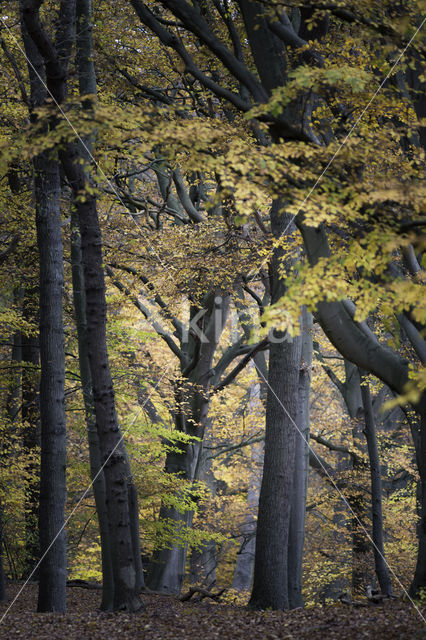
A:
96,471
52,577
52,572
376,489
88,86
419,581
270,585
110,438
301,470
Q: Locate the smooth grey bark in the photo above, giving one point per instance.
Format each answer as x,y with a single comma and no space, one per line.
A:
418,585
301,470
270,587
270,584
96,471
52,574
113,454
88,87
376,489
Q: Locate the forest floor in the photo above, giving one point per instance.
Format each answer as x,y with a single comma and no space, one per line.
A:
167,618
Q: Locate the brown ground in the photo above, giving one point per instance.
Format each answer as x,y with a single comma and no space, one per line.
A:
167,618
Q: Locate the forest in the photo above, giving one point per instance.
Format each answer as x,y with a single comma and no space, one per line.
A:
212,318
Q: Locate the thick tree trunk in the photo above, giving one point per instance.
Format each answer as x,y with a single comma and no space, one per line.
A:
301,470
88,86
270,585
96,471
376,489
419,581
52,571
52,580
113,455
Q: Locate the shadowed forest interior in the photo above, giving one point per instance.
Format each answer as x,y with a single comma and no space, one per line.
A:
212,314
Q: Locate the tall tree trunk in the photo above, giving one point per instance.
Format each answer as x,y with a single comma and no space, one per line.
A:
121,552
376,489
88,86
113,454
301,470
52,580
419,581
96,471
52,572
270,585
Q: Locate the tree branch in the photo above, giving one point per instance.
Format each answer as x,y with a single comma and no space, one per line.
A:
171,40
260,346
146,313
335,447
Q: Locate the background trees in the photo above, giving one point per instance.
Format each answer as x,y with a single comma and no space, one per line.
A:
214,209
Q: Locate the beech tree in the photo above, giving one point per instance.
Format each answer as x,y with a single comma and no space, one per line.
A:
247,177
51,60
52,408
272,36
